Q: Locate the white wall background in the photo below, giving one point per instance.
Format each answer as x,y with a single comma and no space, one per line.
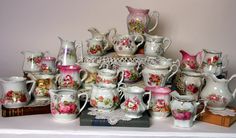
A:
35,24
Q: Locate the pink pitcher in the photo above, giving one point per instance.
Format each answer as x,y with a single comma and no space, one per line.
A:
138,20
190,62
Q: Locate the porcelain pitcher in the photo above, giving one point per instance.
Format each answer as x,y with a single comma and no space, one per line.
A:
71,77
156,45
190,62
160,101
15,93
105,36
67,53
133,106
184,109
217,92
105,98
32,61
138,20
65,104
97,46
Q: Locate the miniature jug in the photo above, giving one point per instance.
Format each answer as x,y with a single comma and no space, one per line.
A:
32,61
124,45
44,82
214,62
71,77
133,106
65,104
217,92
105,98
106,77
97,46
160,101
105,36
15,93
67,52
156,45
131,71
189,83
190,62
158,74
138,20
92,69
184,109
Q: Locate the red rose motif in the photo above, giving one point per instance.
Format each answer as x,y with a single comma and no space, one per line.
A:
127,74
215,59
100,98
37,60
9,93
93,102
116,99
192,88
23,98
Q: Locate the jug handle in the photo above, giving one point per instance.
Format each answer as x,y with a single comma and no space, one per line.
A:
85,102
203,110
156,15
120,88
32,87
58,79
122,77
166,43
84,76
225,60
234,92
149,98
142,39
199,57
174,72
106,45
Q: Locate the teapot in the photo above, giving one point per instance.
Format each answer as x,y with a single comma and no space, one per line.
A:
105,36
217,92
15,93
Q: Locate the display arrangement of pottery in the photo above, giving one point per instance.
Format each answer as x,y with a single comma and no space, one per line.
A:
123,79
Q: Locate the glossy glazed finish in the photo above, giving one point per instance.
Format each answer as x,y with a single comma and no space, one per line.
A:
67,52
189,83
32,61
133,105
156,45
190,62
217,92
124,45
107,36
160,102
65,104
158,75
139,19
184,109
70,77
105,98
97,46
15,93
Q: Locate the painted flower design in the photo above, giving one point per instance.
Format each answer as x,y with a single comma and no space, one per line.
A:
192,64
71,53
192,88
214,98
93,103
212,60
136,25
100,99
100,80
131,75
154,79
68,82
66,107
14,96
35,60
132,104
95,49
181,114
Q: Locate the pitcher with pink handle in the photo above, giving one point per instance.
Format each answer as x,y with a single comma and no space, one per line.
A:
190,62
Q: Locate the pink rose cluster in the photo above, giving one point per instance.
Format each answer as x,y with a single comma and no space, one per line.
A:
182,115
69,108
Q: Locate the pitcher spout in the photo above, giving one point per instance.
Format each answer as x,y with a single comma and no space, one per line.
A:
94,32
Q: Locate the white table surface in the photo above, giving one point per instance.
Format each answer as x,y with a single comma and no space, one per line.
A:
43,125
